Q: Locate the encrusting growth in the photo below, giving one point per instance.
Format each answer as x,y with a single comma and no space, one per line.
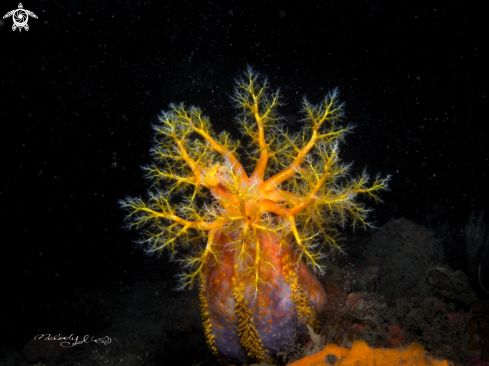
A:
250,238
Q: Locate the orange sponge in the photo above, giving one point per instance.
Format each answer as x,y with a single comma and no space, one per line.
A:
361,354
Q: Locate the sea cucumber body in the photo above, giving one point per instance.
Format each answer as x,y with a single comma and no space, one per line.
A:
245,320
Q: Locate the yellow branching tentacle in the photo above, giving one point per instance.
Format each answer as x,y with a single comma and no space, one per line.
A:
237,167
208,206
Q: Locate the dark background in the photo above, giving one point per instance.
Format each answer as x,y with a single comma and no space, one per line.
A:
80,90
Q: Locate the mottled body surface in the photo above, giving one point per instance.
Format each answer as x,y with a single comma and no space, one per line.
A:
276,314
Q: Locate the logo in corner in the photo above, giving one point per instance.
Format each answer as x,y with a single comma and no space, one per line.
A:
20,17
